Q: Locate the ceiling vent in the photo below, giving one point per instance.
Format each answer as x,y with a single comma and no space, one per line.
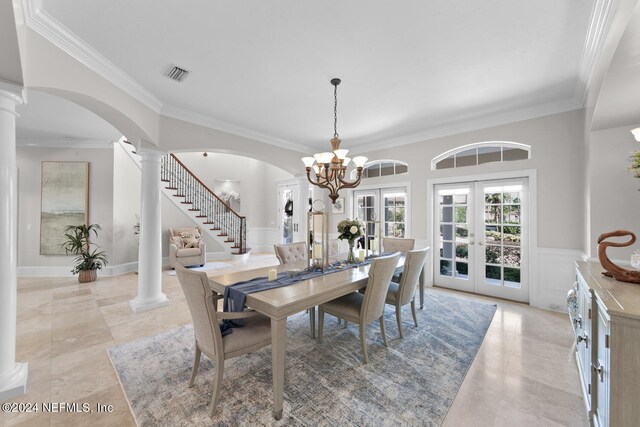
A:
178,74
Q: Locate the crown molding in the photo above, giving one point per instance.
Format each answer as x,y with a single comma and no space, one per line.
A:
209,122
468,125
14,91
599,25
63,143
48,27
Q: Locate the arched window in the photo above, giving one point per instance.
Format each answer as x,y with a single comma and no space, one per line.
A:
481,152
382,168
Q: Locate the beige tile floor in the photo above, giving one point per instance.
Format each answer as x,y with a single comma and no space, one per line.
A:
524,373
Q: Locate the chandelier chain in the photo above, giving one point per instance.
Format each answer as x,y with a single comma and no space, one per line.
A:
335,111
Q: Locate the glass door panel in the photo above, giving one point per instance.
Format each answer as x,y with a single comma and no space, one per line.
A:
394,207
501,264
454,233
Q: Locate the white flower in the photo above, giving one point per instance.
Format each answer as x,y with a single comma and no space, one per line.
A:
353,229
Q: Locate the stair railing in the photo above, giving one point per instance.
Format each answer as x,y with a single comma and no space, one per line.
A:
215,212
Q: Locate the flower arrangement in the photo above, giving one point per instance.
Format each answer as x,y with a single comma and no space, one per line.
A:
350,230
634,168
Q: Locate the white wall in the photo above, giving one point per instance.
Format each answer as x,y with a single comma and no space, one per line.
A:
100,200
257,181
615,199
557,155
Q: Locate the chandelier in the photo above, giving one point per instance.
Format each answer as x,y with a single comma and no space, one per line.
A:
330,167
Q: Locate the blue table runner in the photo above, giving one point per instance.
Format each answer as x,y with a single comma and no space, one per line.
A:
235,295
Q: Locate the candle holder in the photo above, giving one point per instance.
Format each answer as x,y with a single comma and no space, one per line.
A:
372,238
318,239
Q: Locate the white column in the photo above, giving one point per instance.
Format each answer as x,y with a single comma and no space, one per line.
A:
150,294
13,376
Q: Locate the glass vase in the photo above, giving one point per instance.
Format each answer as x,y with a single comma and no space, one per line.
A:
351,259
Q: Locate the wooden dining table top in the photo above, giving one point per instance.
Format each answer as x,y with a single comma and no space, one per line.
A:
287,300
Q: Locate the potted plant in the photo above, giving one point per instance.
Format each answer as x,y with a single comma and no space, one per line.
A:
87,261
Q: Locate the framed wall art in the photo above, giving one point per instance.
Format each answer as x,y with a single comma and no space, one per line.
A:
338,206
64,201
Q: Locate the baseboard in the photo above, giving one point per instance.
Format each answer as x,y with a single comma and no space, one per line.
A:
109,271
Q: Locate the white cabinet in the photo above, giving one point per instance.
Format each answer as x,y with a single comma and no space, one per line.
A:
608,346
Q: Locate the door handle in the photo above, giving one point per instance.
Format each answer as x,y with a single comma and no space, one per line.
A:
472,242
481,243
584,338
599,369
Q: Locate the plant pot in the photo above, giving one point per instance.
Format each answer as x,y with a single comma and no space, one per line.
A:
87,276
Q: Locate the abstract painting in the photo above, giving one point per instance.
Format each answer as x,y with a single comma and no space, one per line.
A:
64,198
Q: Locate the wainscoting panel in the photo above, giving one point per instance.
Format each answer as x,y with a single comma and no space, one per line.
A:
553,276
262,239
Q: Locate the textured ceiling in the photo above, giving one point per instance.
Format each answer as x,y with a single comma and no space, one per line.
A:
407,67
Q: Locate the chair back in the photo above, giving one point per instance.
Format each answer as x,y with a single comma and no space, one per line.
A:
178,231
202,302
396,244
291,253
413,264
380,274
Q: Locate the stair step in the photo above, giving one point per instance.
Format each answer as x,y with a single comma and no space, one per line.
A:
222,235
215,229
185,203
171,188
229,241
201,216
165,180
180,195
208,222
194,210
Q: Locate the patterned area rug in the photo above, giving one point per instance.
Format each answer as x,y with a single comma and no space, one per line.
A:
207,266
412,382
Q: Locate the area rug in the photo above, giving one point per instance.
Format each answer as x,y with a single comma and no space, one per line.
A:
411,382
207,266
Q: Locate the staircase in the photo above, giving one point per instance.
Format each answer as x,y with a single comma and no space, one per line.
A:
205,204
221,222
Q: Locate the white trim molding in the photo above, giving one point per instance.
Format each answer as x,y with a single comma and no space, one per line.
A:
531,175
599,25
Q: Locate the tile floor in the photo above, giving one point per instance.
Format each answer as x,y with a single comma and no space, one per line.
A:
523,375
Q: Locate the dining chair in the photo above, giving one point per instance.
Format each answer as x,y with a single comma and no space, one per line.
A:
295,254
403,293
291,253
397,244
364,308
202,302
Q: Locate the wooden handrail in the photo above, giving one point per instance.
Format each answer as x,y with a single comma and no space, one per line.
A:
206,188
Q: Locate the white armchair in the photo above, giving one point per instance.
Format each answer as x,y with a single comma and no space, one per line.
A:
186,247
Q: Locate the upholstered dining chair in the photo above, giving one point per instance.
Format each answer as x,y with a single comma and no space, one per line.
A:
397,244
291,253
364,308
295,254
202,302
403,293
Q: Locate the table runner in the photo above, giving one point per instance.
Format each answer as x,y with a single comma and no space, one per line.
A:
236,294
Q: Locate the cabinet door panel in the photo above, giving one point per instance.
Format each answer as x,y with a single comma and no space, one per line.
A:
601,369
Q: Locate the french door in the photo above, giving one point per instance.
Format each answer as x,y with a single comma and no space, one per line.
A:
387,205
481,231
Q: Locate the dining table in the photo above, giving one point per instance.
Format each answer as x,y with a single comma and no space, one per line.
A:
282,302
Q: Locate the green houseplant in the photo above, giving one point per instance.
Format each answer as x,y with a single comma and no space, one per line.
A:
634,168
87,261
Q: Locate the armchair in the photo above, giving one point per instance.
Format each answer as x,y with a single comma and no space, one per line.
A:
186,247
